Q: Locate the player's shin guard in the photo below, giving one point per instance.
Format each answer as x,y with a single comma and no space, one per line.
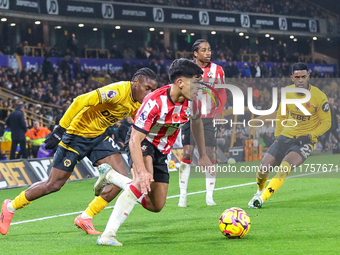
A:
20,201
118,179
210,181
261,179
277,180
184,173
96,206
123,207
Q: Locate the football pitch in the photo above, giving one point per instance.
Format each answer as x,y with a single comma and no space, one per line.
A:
303,217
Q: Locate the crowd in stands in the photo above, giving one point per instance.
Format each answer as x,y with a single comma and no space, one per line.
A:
291,7
157,52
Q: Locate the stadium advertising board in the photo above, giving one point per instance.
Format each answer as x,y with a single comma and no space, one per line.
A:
17,173
25,6
71,8
158,14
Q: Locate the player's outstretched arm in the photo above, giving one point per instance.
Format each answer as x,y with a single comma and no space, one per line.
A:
141,176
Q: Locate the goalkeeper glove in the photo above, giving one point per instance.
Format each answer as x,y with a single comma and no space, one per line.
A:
52,141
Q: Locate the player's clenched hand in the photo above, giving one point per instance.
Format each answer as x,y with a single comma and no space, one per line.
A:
52,141
205,164
145,180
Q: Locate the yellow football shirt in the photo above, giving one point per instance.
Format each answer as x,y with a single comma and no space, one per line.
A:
92,113
315,124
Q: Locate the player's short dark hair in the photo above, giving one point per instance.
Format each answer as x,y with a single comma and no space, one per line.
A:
183,68
198,42
299,66
145,72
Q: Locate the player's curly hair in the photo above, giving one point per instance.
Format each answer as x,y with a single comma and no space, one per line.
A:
145,72
183,68
299,66
198,42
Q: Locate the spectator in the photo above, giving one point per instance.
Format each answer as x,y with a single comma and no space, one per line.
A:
37,136
16,123
47,68
245,72
65,65
234,70
77,67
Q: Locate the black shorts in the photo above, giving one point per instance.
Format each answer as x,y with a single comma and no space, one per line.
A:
283,145
160,166
209,133
74,148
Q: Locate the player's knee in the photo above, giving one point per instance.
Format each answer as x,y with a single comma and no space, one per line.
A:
54,187
157,208
264,168
186,154
210,155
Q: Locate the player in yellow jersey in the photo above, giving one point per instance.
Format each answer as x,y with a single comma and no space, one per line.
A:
294,144
81,132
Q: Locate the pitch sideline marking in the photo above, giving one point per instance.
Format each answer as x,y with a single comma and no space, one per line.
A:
192,193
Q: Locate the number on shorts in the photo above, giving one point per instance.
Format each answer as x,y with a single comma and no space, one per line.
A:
306,150
114,145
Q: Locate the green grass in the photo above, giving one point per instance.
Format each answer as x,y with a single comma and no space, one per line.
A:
301,218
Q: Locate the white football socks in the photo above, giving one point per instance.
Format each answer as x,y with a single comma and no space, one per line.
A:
210,181
123,207
184,173
85,216
118,179
10,207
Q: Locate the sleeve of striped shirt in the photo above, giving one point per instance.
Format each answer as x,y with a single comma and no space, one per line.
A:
145,116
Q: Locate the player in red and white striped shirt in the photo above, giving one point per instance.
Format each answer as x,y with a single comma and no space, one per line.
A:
212,74
156,126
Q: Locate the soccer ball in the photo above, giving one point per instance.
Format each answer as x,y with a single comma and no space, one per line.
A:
234,223
231,161
172,164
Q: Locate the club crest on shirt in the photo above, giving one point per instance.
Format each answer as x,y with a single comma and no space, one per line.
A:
144,148
187,113
111,94
210,74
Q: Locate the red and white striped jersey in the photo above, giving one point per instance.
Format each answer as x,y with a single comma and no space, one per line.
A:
213,74
161,119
